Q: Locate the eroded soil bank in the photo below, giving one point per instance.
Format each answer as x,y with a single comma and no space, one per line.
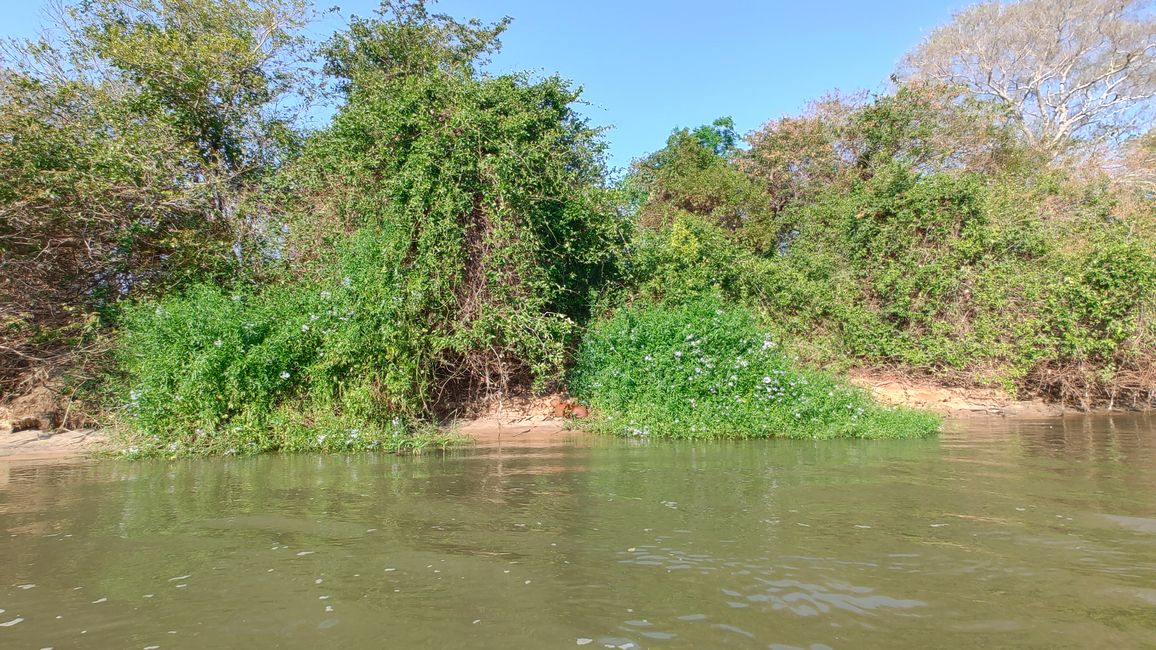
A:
951,402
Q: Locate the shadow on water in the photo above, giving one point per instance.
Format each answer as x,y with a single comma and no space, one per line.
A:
1002,532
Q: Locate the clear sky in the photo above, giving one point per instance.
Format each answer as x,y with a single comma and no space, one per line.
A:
649,66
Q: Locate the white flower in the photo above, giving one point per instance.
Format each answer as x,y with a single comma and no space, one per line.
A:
677,354
345,282
304,328
325,294
284,374
217,343
766,380
237,298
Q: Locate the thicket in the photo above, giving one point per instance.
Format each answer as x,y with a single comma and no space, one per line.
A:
175,242
440,241
913,230
133,137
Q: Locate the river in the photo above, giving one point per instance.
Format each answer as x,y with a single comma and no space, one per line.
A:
998,533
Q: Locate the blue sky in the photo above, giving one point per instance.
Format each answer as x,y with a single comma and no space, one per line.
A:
648,66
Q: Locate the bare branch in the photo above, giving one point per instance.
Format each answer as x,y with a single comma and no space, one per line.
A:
1072,71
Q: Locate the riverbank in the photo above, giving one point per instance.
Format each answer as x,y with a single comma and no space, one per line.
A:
35,444
953,402
533,421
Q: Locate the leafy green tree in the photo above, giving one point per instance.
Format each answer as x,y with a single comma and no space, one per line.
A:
481,196
445,235
405,39
695,174
718,136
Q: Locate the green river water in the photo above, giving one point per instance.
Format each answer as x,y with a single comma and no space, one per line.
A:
996,534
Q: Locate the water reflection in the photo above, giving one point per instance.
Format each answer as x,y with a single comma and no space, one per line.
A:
1037,533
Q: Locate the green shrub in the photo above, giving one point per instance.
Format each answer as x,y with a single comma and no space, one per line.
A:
687,258
335,362
443,238
214,372
483,215
958,274
706,370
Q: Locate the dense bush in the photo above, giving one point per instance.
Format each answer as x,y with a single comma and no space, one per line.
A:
909,231
307,365
442,239
706,370
482,203
449,236
939,273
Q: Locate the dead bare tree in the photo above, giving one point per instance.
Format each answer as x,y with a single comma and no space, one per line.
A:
1072,71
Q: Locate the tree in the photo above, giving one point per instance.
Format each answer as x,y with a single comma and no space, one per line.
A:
128,148
483,233
694,173
1071,71
719,136
406,39
1137,164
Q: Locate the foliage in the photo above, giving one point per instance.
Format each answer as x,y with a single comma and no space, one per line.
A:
911,231
694,174
442,239
691,257
482,195
127,148
405,39
946,275
706,370
320,365
449,235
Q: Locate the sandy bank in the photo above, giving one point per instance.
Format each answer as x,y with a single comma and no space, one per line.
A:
949,401
35,444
